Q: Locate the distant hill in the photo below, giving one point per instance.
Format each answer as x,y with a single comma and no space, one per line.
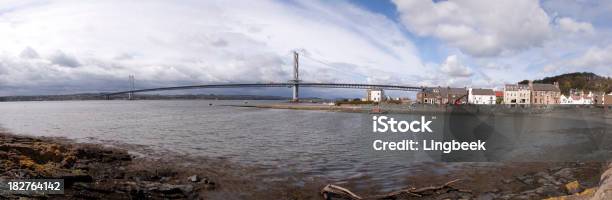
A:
586,81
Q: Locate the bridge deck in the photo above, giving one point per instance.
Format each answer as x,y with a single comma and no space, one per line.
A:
289,84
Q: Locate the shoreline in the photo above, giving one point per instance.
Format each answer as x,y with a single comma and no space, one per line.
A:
435,109
97,172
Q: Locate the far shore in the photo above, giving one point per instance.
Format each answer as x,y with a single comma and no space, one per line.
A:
429,109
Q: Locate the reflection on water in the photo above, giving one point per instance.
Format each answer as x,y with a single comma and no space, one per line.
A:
315,143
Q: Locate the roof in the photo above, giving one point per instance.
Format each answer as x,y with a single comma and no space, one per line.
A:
516,87
452,91
545,87
445,91
483,92
499,93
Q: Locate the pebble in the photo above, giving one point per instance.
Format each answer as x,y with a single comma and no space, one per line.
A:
194,178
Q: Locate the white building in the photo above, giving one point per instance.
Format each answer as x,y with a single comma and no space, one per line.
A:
566,99
577,98
481,96
376,95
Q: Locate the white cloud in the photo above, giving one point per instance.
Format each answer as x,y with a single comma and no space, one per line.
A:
595,59
572,26
478,28
97,44
29,53
597,13
453,68
452,72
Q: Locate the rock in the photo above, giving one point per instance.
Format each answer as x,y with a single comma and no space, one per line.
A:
587,194
541,174
78,178
548,190
81,166
554,169
507,196
68,162
119,175
573,187
526,180
487,196
527,195
544,178
194,178
208,184
565,173
175,189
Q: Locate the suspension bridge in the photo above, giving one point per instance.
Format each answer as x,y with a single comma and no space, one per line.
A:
295,83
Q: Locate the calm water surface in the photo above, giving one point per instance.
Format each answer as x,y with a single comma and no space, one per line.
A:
316,143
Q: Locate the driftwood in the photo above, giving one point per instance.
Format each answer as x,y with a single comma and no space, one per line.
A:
333,192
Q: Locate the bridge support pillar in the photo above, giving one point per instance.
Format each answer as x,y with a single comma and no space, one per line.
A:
296,77
296,97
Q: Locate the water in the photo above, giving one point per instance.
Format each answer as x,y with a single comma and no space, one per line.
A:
333,145
313,143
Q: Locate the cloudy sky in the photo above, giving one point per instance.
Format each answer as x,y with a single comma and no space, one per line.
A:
58,47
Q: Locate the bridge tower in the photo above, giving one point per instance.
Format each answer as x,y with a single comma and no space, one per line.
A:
131,94
296,77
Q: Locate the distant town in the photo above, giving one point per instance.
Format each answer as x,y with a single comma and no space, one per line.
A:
589,89
517,94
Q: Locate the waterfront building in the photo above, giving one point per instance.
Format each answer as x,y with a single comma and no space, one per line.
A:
481,96
519,94
375,95
577,97
598,97
427,97
571,99
450,95
607,99
545,94
566,99
443,95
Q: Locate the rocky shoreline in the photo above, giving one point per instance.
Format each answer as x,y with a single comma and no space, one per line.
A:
98,172
90,171
558,181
